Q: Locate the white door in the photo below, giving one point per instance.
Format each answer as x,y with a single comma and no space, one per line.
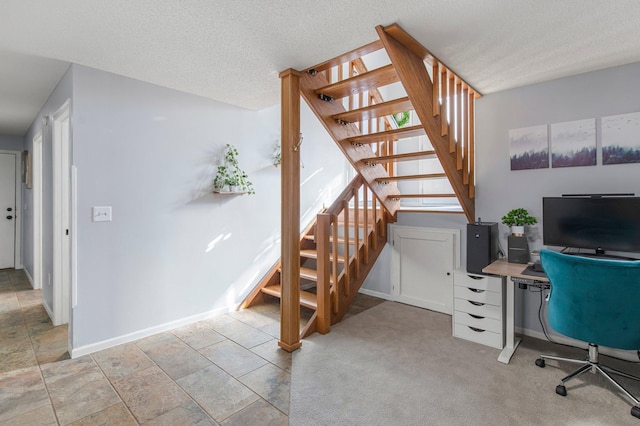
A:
61,214
37,210
422,265
7,210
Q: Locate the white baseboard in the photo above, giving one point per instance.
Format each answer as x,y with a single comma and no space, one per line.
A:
558,338
26,272
48,309
140,334
377,294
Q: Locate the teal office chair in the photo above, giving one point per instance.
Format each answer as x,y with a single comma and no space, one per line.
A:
594,300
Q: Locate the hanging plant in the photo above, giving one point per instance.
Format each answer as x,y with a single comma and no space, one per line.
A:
401,118
229,176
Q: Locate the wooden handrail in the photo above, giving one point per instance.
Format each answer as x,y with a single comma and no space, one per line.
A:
336,207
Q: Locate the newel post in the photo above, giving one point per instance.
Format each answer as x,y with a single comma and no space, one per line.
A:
324,286
290,211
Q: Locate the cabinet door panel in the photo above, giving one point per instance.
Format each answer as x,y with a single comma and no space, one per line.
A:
422,267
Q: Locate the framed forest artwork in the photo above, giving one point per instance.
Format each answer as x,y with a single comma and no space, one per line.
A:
621,139
573,143
529,148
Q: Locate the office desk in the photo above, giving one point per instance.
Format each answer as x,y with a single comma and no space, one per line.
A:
506,269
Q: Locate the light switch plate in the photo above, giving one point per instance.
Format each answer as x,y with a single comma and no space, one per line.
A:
101,214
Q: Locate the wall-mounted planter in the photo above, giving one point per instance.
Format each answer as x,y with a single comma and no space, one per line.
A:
222,192
230,176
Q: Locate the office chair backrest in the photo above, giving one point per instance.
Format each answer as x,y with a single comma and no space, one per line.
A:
594,300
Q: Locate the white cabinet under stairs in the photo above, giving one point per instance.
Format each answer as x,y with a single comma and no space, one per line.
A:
422,265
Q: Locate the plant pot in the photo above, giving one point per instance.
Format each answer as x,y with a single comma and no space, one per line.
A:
235,188
518,231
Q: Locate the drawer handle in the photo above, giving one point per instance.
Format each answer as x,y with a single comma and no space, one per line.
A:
475,316
477,330
475,290
474,277
475,303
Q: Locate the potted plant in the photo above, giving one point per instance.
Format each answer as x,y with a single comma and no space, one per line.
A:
230,174
517,219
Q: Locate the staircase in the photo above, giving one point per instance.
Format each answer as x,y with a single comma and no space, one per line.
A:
346,98
407,127
336,253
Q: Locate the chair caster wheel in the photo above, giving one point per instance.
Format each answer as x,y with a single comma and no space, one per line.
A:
562,391
540,362
635,411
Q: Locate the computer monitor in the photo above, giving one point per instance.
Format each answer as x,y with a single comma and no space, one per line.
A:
592,222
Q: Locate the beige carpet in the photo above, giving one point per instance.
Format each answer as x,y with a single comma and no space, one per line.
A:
399,365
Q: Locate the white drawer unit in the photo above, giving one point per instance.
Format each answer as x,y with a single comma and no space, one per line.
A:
478,308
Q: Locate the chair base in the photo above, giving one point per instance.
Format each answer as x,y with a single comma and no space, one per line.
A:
592,364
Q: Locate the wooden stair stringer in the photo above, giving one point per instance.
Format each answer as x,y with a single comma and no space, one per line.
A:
256,296
341,134
272,277
417,83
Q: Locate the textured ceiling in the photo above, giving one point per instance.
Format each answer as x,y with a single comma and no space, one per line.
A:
233,50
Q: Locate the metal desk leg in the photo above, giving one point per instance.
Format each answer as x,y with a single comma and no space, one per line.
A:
511,342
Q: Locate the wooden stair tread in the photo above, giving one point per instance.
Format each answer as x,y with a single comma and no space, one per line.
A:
340,134
410,156
308,274
307,299
346,57
430,210
375,111
389,135
312,274
423,196
313,254
413,177
341,240
360,83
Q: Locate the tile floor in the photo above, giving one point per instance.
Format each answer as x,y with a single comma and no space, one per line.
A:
226,370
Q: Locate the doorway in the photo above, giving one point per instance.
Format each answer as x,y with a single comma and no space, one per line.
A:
10,168
61,139
37,210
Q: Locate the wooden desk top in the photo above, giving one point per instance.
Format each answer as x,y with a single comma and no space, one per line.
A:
504,268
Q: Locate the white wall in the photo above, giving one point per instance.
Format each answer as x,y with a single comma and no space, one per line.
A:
591,95
174,250
11,143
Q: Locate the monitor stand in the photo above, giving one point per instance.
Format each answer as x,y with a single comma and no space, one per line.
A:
600,254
